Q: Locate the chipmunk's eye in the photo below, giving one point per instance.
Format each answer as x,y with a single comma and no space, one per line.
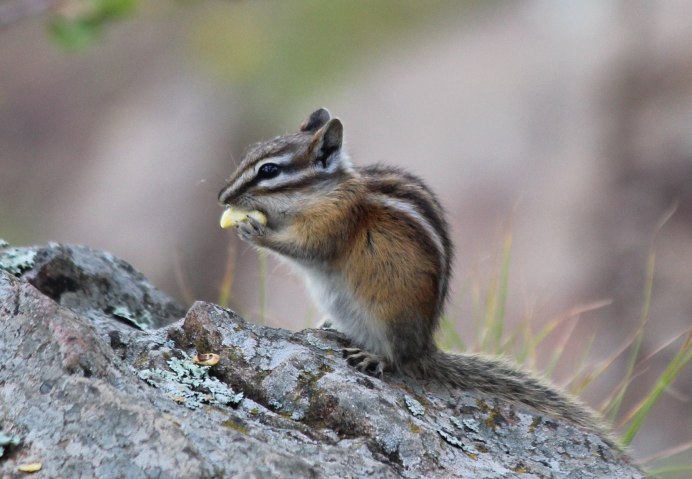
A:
268,170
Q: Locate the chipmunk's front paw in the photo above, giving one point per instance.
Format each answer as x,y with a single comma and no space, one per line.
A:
365,362
250,229
326,323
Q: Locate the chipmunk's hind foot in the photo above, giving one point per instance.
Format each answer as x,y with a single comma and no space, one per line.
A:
365,362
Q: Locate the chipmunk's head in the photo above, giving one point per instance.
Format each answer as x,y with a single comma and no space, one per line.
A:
276,176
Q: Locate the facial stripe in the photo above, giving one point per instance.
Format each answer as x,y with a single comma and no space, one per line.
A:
293,175
295,183
248,177
283,178
250,173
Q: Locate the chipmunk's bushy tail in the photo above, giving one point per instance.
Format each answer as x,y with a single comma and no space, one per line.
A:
498,379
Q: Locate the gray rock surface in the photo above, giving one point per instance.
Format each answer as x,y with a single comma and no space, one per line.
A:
90,396
94,284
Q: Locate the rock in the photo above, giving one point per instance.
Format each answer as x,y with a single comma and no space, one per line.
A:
94,284
90,396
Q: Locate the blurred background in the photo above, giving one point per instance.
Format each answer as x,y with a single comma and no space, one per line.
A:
566,124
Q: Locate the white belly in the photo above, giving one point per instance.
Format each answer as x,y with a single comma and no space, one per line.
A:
330,293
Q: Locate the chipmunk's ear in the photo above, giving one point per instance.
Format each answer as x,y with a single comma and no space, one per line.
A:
326,144
316,120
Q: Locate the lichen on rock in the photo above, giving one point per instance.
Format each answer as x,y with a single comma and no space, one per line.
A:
16,260
190,384
277,403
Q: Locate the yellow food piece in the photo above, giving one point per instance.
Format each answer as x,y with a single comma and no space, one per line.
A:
206,359
33,467
234,216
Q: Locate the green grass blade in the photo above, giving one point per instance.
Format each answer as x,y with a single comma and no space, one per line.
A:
640,369
671,372
487,326
263,264
501,295
226,288
614,407
181,280
559,349
525,350
582,362
476,303
450,338
577,387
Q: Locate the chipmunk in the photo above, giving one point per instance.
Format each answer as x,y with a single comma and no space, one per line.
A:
374,247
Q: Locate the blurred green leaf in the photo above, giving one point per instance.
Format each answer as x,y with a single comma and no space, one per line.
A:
73,35
281,51
115,9
85,23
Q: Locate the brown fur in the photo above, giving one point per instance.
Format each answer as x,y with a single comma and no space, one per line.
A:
376,243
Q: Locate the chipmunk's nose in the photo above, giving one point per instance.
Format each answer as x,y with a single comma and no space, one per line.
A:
223,195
